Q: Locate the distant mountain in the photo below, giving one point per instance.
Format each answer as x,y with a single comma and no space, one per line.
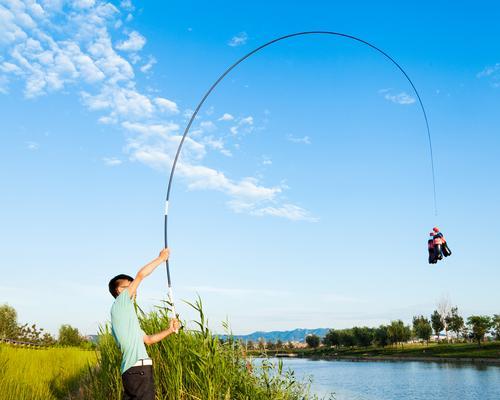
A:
296,335
92,338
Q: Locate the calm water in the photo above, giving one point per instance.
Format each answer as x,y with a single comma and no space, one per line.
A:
399,380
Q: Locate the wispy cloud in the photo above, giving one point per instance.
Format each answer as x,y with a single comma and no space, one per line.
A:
127,5
244,124
147,67
32,145
166,105
266,160
238,40
135,42
112,161
87,47
237,292
288,211
226,117
303,140
493,73
399,98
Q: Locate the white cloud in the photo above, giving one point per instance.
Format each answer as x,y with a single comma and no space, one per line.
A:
237,291
238,40
217,144
32,145
58,45
10,68
166,105
288,211
303,140
49,50
135,42
147,67
208,126
164,129
112,161
226,117
123,102
242,123
400,98
127,5
491,72
83,3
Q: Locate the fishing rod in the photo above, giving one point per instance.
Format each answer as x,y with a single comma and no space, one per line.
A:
228,70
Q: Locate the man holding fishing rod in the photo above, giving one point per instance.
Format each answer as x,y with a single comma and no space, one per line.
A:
136,367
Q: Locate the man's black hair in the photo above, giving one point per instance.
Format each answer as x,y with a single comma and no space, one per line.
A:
113,283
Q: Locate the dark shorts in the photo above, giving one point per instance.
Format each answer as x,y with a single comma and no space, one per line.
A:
138,383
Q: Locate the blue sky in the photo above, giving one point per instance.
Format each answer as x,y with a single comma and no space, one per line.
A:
304,194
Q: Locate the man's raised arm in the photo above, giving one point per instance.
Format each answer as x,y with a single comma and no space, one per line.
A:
146,270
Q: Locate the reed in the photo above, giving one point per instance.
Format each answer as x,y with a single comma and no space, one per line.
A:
195,365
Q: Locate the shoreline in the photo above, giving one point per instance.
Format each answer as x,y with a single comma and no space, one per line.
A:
458,360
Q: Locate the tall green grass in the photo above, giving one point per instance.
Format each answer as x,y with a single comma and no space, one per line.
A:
44,374
195,365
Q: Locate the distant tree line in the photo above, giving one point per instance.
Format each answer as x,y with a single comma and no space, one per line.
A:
444,319
11,329
474,329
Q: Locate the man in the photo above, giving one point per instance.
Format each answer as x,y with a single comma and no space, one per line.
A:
136,367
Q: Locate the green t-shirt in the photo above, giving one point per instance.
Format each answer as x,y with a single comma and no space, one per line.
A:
127,331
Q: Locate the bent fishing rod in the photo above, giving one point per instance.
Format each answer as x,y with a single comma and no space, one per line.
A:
228,70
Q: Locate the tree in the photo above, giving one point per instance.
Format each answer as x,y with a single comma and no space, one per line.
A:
422,328
69,336
250,344
346,338
479,325
290,345
444,308
47,340
270,345
437,323
496,326
312,341
30,334
398,332
279,344
8,322
381,337
362,336
332,338
455,322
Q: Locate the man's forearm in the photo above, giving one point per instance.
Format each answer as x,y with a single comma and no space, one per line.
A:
149,267
156,337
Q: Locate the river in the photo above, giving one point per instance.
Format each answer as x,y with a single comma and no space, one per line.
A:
399,380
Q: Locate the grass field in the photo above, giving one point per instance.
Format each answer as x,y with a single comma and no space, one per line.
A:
43,374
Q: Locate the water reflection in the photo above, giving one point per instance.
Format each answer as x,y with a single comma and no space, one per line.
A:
396,380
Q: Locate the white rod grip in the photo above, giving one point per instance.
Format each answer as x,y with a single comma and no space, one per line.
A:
171,301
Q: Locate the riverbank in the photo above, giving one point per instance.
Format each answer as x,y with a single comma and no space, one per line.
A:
487,353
